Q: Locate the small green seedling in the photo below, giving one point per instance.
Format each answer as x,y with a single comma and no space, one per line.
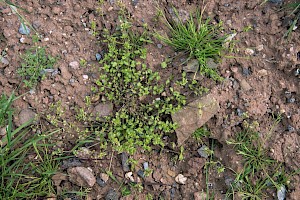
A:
34,64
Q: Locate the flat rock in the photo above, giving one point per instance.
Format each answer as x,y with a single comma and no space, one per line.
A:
193,116
81,176
103,109
192,66
58,178
74,65
245,85
25,115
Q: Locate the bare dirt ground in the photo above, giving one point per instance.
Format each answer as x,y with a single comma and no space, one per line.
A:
263,81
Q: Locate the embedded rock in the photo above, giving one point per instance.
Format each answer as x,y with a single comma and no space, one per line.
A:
81,176
193,116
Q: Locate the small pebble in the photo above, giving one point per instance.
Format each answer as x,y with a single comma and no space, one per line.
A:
281,192
181,179
98,56
100,182
291,100
239,112
124,158
172,193
85,77
72,80
129,176
22,40
146,165
135,2
55,72
74,65
4,61
290,128
24,30
104,177
48,70
159,46
249,51
246,71
112,195
203,151
32,91
141,173
297,72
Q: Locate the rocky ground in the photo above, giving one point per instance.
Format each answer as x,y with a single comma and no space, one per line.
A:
261,80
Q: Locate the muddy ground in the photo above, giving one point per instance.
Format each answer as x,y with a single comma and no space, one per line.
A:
263,81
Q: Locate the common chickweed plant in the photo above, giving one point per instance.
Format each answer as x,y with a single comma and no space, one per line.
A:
260,172
141,111
34,62
196,37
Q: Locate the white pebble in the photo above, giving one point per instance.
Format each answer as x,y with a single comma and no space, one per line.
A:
85,77
249,51
181,179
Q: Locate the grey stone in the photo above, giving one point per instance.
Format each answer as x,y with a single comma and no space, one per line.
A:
81,176
112,195
72,162
192,66
246,71
202,151
281,192
103,109
4,61
24,30
100,182
135,2
211,63
98,56
193,116
124,159
25,116
141,173
102,179
146,165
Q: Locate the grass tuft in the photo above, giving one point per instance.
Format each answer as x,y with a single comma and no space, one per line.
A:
20,177
198,38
